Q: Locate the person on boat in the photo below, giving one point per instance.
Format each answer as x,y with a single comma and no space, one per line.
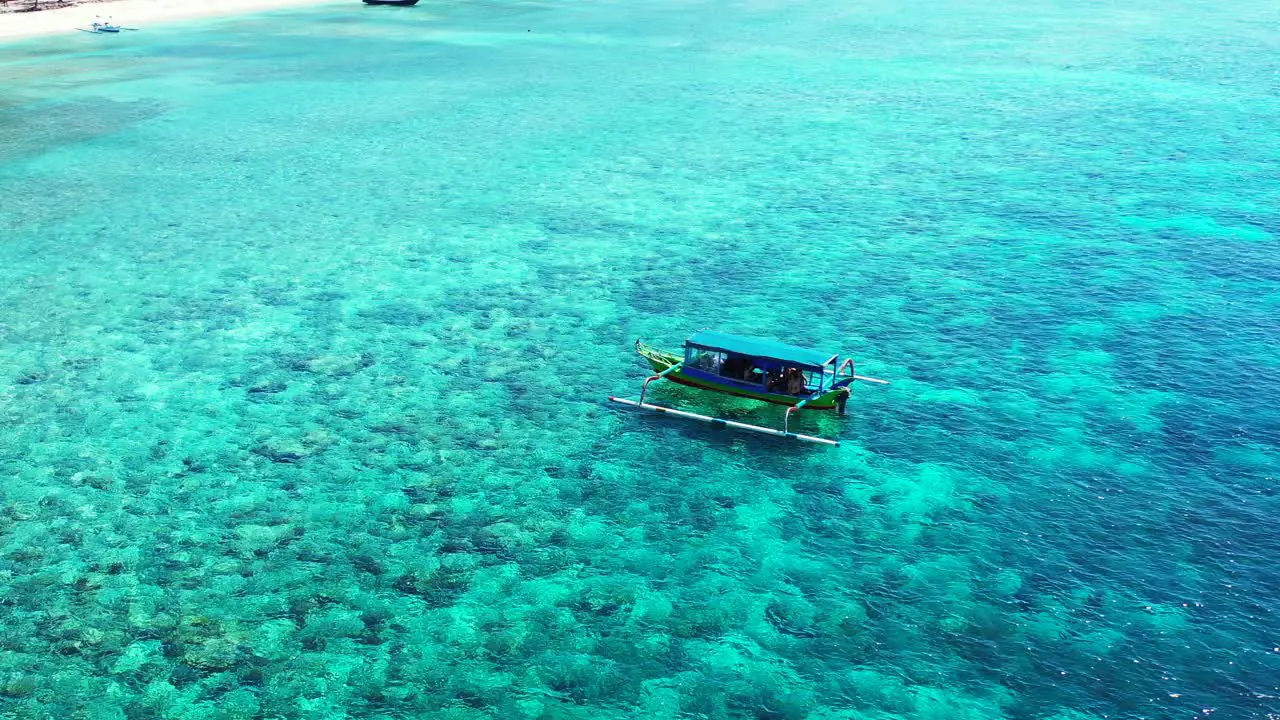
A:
776,381
795,382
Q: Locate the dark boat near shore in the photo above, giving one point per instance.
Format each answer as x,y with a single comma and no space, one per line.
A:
398,3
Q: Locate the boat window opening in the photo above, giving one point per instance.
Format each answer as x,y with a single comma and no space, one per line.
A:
739,367
708,360
775,378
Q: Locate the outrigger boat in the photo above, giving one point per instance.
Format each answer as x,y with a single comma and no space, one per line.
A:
773,372
108,26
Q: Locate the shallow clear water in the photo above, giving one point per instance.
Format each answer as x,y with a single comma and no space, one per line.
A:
307,321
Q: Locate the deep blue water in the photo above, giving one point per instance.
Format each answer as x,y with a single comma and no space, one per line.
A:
307,322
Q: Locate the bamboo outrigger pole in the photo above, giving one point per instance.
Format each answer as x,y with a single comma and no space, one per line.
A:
724,423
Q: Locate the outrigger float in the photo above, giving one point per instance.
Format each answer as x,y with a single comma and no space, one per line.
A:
772,372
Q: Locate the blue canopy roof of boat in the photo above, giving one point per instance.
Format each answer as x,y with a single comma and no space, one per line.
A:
754,347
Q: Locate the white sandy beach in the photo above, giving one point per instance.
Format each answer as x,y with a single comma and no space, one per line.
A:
131,13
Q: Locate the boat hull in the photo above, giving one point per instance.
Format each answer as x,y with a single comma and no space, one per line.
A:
661,361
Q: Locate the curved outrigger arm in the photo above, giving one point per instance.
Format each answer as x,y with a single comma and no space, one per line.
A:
786,419
651,378
848,363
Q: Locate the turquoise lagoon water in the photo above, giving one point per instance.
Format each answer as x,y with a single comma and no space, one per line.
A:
307,321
